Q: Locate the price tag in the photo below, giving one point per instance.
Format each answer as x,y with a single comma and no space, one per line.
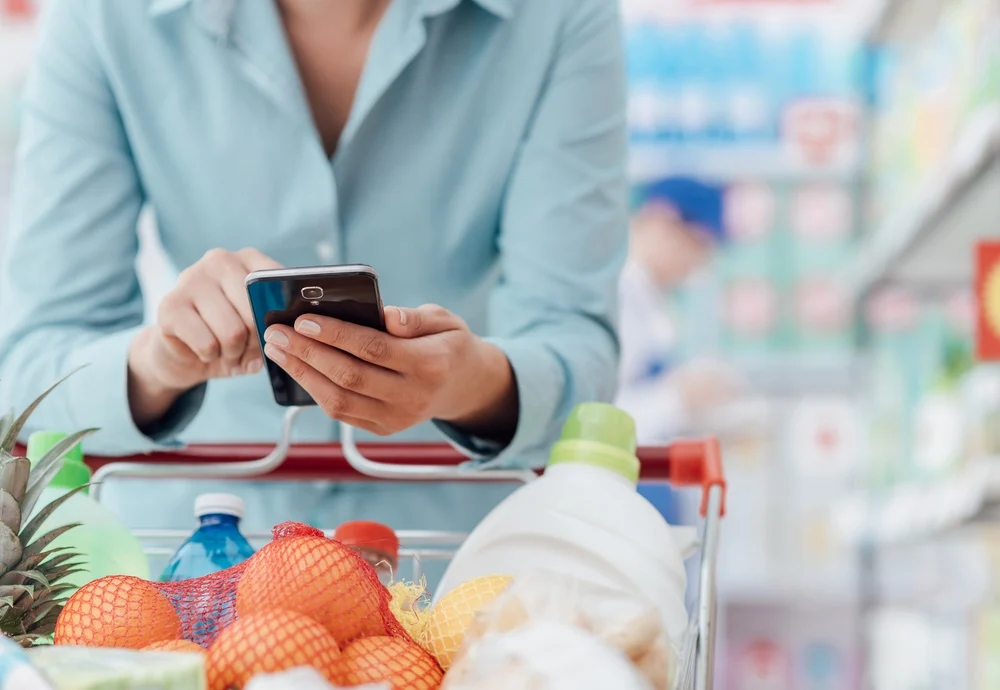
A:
822,305
891,309
764,665
749,211
825,437
752,306
821,213
822,133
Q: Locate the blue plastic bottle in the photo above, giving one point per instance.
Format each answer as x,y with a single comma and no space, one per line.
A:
217,544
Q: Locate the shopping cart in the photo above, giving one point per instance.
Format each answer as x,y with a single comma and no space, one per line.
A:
682,463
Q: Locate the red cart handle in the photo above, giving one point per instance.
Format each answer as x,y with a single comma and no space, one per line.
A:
683,463
697,463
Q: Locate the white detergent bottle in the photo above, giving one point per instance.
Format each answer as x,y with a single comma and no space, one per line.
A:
584,518
103,544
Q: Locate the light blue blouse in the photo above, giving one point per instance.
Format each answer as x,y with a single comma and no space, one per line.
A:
482,168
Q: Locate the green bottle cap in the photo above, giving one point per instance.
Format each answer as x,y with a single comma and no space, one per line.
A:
601,435
74,472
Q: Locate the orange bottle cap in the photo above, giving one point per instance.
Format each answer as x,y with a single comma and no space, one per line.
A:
369,535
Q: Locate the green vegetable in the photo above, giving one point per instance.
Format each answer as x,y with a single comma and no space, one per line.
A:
87,668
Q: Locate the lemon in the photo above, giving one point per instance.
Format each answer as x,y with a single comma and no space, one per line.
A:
451,616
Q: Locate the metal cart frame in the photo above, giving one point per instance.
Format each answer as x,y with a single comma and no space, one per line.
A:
686,463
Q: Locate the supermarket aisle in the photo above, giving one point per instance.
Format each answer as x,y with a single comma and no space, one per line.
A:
858,147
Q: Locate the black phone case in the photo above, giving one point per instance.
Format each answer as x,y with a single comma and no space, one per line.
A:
353,297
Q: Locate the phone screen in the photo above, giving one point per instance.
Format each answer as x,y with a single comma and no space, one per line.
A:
281,299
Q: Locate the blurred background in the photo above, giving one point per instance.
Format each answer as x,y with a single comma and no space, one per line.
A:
823,321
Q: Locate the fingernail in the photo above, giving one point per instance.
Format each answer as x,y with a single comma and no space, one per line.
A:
253,366
402,316
274,354
307,327
236,371
276,337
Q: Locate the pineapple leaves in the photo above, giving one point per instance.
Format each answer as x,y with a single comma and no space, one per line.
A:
46,626
11,548
16,591
40,612
10,509
14,430
54,593
61,573
24,575
6,422
36,522
57,560
14,476
33,572
47,468
31,563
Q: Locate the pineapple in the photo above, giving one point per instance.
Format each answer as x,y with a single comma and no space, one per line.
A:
32,591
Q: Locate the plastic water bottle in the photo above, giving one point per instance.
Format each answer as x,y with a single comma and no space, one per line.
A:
217,544
105,546
584,518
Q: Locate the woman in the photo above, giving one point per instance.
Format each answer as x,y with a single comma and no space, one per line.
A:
472,151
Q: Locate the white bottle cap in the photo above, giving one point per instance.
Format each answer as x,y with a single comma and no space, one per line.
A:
218,504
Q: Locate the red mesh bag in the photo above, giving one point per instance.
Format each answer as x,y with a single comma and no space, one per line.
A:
396,660
300,586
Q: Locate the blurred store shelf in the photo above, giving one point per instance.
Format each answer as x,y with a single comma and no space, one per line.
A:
794,376
896,21
913,512
931,239
648,161
798,595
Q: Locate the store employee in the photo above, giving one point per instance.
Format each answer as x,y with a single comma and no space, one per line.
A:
472,151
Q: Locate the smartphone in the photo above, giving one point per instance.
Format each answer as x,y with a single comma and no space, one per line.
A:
280,296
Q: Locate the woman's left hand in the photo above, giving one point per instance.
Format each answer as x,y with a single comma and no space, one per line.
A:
429,365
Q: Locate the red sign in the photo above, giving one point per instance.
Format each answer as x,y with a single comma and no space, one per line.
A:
17,9
821,132
988,301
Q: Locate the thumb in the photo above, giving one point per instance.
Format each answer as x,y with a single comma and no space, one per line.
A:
405,322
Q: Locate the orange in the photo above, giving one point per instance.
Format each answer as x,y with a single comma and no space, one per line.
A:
117,611
317,577
175,646
269,642
396,660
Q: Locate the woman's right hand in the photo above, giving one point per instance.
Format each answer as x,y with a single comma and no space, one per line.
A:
204,330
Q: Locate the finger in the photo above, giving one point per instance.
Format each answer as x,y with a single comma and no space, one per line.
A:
427,319
186,325
345,370
336,402
256,260
226,325
233,281
367,344
253,359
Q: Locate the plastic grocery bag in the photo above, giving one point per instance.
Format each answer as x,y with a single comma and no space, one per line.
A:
623,621
543,655
303,678
16,671
687,539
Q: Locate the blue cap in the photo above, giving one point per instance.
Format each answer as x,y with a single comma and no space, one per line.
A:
697,203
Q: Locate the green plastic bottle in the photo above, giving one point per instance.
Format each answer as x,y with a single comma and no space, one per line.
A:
105,545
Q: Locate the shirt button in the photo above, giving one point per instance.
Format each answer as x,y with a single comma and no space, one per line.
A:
326,251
